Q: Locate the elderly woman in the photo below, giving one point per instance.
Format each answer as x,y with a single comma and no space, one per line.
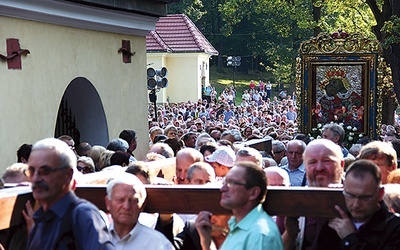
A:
85,165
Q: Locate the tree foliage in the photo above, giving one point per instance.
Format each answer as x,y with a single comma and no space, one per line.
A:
192,8
352,16
267,33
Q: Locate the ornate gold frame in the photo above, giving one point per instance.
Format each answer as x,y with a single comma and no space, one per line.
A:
341,50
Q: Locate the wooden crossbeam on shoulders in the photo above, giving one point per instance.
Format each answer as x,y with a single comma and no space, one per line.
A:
292,201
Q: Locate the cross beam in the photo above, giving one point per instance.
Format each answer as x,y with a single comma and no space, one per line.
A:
293,201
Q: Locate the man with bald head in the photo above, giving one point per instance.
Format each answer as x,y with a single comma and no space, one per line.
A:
276,176
324,163
249,154
184,158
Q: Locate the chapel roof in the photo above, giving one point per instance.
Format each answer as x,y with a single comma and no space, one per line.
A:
178,34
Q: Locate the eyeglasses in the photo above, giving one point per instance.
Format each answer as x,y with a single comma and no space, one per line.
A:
363,198
44,170
278,152
231,183
84,169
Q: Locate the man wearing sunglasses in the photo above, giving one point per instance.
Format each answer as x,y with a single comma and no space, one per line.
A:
63,221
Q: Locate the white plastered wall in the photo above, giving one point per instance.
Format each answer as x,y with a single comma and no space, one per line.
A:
185,71
58,54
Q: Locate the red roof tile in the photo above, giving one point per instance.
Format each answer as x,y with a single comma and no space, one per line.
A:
177,33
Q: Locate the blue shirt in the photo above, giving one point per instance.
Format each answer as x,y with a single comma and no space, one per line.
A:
228,114
71,223
297,175
256,231
291,115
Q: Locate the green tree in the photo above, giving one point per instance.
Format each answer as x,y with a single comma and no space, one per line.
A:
194,9
379,18
349,15
269,31
267,34
387,31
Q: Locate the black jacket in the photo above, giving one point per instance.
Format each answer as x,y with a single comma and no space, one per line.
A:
381,232
188,239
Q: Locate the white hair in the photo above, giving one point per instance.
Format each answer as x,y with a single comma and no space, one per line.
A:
66,155
128,179
281,172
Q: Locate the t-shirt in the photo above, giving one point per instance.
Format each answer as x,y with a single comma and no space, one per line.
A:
256,231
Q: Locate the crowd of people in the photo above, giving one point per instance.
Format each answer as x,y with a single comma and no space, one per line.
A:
207,141
258,112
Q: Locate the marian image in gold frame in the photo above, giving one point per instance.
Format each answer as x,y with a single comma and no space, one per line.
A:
339,95
339,90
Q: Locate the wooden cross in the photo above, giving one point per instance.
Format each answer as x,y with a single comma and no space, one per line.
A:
292,201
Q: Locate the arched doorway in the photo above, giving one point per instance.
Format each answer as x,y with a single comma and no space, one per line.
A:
81,114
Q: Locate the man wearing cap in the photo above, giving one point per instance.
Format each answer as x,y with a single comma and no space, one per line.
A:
221,160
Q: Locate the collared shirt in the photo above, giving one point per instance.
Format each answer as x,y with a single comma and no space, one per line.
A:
291,115
70,223
140,237
255,231
297,175
228,114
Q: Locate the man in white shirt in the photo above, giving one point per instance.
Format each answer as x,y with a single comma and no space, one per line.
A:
125,197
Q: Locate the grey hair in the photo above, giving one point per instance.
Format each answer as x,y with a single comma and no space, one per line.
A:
336,129
201,166
128,179
392,196
168,128
165,149
283,173
87,160
118,144
234,132
66,156
202,139
280,146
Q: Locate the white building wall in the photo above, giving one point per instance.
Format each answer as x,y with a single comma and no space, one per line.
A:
185,71
58,54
